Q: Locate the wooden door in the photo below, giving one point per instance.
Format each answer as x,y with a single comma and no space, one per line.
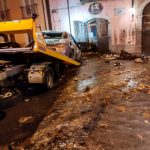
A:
102,35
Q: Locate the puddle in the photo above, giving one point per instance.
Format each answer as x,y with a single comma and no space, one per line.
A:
132,84
85,83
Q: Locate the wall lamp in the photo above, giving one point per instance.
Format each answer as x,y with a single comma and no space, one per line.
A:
132,11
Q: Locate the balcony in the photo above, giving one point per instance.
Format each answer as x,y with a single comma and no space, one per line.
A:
28,10
5,15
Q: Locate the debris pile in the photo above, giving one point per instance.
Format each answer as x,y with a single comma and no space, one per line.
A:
25,120
115,104
139,58
110,57
118,63
127,56
144,88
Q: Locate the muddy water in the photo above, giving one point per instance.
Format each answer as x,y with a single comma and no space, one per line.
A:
100,106
35,103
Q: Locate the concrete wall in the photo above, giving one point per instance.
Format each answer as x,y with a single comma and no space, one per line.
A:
15,14
15,11
125,30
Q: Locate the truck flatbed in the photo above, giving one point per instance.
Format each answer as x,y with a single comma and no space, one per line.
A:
59,56
28,25
25,58
16,50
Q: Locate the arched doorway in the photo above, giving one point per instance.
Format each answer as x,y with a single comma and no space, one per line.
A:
95,31
98,33
146,30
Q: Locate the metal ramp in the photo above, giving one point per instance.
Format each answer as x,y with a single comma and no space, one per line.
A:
15,50
29,25
57,55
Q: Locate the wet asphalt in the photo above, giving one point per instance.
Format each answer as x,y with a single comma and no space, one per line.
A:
34,102
97,106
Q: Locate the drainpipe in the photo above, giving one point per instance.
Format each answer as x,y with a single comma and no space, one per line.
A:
132,3
48,14
44,14
69,15
132,10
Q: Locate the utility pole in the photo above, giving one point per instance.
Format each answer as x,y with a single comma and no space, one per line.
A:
48,14
132,3
69,16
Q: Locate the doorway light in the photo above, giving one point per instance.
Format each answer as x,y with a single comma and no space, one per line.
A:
132,11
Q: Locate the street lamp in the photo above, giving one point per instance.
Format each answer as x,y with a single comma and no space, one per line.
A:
132,11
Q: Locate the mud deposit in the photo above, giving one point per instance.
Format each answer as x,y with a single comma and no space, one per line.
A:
101,107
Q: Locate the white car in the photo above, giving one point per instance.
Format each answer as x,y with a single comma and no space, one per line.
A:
63,43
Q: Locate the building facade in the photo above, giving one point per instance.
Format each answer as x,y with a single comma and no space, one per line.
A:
112,24
22,9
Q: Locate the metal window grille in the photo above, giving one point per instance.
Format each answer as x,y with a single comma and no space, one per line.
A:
5,15
29,10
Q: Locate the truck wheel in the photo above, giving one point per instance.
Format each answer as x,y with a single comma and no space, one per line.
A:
49,78
8,97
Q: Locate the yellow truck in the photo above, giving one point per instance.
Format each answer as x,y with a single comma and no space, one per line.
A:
32,59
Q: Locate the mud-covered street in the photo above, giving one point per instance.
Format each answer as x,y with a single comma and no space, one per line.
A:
101,106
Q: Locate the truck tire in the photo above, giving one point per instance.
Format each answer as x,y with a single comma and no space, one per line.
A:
49,78
9,97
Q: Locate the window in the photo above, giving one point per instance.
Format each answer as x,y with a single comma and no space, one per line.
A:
29,2
4,11
29,7
104,29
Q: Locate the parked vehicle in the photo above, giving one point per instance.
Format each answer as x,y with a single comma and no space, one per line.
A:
33,63
63,43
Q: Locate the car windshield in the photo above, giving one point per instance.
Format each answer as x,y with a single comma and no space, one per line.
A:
52,38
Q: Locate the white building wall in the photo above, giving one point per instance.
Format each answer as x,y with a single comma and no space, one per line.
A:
125,30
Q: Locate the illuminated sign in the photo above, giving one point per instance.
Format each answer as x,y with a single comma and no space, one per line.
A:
95,8
87,1
119,11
